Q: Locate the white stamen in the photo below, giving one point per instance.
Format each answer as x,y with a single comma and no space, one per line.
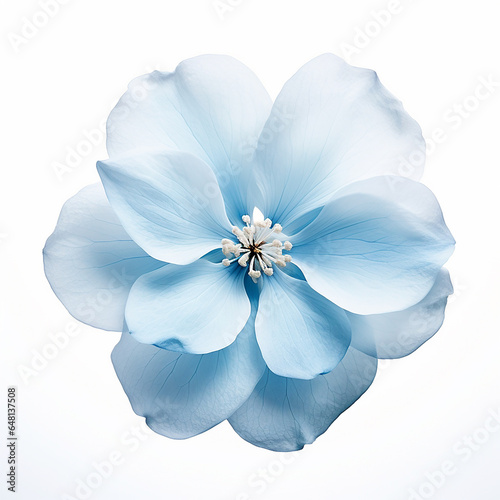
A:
243,260
256,248
227,249
241,236
265,258
237,250
249,231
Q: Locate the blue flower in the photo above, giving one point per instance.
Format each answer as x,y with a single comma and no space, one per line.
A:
258,256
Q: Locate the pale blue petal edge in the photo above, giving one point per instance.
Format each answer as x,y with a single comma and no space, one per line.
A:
331,125
169,202
284,414
197,308
182,395
212,106
376,247
300,333
91,262
395,335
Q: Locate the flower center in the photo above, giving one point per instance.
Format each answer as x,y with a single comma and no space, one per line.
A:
258,248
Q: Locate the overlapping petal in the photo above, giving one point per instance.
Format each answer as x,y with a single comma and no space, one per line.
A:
300,333
376,247
211,106
91,262
195,309
397,334
169,202
284,414
182,395
332,124
280,357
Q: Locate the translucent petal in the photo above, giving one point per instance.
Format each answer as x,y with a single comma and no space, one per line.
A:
212,106
376,247
91,262
169,202
182,395
332,124
397,334
196,308
284,414
300,333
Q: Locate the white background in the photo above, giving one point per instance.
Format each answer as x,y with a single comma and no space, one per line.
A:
64,80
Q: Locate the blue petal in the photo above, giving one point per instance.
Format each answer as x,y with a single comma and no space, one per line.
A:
397,334
332,124
284,414
376,247
300,333
91,262
169,203
293,271
182,395
212,106
194,309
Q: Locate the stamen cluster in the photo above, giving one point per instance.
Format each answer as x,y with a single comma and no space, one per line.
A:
255,248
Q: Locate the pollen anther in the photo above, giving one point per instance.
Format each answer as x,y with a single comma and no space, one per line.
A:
257,249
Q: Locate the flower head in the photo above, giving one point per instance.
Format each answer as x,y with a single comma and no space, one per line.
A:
245,273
